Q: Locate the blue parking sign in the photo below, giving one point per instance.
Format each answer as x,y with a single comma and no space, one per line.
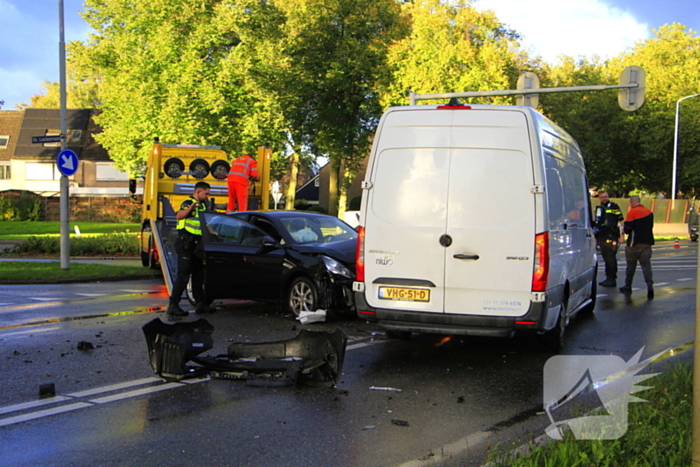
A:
67,162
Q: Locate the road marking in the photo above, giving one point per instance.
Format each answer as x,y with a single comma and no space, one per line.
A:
660,284
33,404
115,387
449,451
601,295
686,279
92,294
43,413
138,392
47,299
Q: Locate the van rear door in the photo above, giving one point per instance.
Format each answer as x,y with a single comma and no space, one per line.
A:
490,214
450,215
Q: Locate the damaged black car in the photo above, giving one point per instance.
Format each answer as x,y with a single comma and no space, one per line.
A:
304,260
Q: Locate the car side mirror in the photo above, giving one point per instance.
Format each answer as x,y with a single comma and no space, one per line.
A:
269,243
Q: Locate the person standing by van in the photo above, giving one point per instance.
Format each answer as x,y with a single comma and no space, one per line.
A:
243,169
608,236
188,247
639,226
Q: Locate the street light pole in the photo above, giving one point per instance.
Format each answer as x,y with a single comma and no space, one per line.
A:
675,146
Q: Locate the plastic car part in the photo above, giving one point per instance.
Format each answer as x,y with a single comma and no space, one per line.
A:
313,358
171,346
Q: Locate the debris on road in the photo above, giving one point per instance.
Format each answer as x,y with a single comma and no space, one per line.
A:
84,345
368,427
314,358
318,316
375,388
47,390
399,422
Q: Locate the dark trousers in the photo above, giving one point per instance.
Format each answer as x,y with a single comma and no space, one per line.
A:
641,253
609,253
188,263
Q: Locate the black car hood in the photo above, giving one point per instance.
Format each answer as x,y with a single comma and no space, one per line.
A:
341,251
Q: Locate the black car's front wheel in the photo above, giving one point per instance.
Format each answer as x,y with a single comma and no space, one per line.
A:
302,296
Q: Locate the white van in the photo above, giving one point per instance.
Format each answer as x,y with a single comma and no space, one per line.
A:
475,220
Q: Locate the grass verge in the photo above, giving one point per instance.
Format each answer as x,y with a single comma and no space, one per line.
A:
21,230
22,272
658,433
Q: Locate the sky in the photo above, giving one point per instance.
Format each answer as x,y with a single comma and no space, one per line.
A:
29,32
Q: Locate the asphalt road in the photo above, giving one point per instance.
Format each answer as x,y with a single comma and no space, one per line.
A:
444,401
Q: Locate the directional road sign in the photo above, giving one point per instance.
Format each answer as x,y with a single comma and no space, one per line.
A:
46,139
67,162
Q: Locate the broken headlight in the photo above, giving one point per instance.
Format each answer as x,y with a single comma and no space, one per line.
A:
334,267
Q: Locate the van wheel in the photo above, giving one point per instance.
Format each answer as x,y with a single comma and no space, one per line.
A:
302,296
401,335
553,340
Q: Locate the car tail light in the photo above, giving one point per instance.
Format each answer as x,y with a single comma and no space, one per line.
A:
540,271
360,255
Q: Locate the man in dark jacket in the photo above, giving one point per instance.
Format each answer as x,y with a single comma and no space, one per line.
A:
639,226
608,236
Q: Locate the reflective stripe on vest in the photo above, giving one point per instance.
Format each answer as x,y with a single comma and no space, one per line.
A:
192,224
241,166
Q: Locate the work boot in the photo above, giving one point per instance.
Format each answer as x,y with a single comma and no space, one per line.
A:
650,293
626,290
202,309
175,310
608,283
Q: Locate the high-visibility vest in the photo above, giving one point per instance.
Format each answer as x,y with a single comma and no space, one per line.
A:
191,224
244,167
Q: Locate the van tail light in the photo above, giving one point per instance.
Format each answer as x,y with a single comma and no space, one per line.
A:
540,271
360,255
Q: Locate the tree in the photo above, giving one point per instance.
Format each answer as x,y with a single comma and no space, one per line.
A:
452,47
168,69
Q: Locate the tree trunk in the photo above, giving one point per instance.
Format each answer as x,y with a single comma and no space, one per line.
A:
293,168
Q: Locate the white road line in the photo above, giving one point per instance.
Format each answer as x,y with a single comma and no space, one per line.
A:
47,299
363,344
686,279
31,405
43,413
92,294
601,295
661,284
138,392
114,387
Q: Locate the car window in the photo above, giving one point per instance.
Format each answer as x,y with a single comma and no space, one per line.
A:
230,230
317,229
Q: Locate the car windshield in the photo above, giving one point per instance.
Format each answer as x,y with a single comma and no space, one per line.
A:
317,229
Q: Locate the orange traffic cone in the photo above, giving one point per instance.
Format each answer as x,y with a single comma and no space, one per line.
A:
677,245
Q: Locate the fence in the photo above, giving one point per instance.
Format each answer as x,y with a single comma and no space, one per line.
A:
16,205
665,211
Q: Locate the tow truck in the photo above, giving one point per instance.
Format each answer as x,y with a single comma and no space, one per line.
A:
172,170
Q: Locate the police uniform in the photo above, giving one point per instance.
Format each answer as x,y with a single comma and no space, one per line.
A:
188,247
608,236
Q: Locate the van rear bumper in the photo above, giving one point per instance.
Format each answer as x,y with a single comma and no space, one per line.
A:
536,319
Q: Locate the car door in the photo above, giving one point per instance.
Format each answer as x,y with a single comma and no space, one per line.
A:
237,263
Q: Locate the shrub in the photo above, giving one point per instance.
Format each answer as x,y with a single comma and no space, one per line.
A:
114,244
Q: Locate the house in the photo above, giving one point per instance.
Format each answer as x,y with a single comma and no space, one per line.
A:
32,167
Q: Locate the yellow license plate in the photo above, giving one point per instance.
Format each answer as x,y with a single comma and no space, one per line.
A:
404,294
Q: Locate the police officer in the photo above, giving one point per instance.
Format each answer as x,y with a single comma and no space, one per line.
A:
608,235
243,169
188,246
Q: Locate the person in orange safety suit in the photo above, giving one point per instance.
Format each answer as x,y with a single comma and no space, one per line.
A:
243,169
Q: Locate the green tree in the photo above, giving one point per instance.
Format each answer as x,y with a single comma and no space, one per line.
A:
671,60
452,47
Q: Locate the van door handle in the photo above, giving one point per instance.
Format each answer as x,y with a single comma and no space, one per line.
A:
461,256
